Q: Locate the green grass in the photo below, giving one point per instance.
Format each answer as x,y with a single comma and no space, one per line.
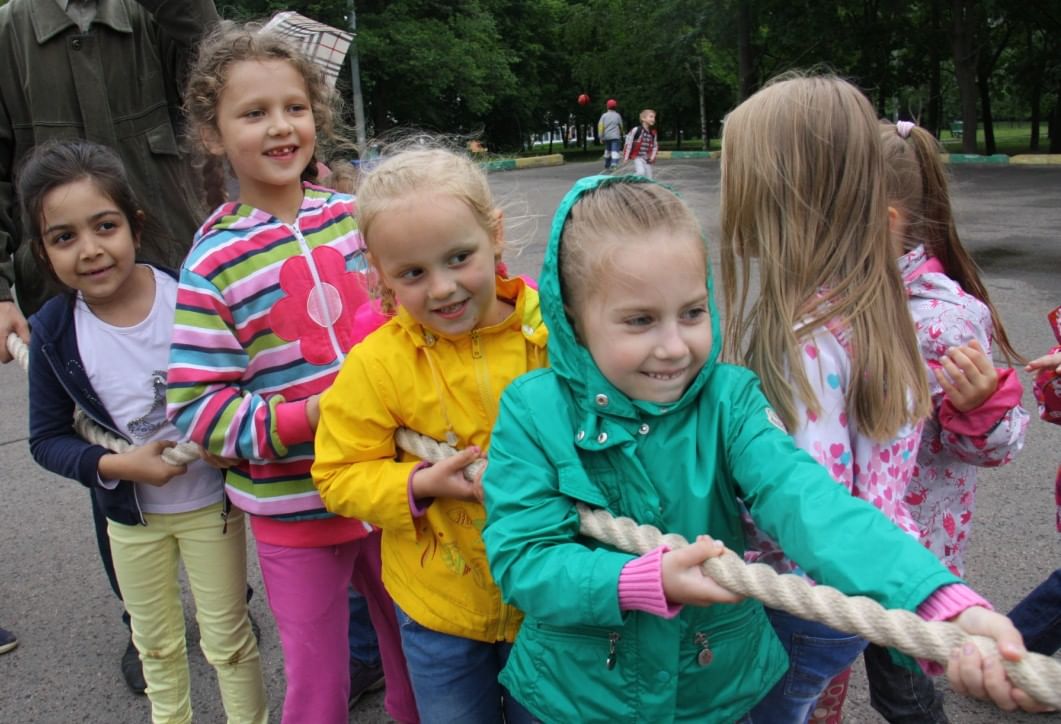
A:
1011,138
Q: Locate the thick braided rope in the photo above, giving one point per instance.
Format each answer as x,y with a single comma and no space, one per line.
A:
181,454
1039,676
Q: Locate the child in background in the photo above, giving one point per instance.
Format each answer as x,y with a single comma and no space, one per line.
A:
635,415
976,419
1038,616
265,318
610,131
461,333
641,145
803,199
103,347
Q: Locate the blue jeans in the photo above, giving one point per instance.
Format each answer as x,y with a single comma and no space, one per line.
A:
1038,616
816,654
899,694
363,644
611,152
455,679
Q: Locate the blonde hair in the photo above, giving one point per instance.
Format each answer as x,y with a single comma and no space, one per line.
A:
645,113
917,185
232,43
803,191
415,169
615,213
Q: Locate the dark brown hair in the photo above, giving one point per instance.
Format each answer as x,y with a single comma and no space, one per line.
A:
57,163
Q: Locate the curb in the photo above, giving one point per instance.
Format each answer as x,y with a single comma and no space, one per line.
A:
1029,159
688,154
510,164
967,158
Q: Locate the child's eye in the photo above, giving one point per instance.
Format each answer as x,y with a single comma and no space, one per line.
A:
298,108
253,114
107,226
695,314
460,257
638,320
411,274
60,239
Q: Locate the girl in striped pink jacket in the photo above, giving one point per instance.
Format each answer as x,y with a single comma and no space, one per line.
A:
266,313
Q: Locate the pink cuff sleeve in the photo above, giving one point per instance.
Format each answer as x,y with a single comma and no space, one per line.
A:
641,586
980,420
947,602
418,507
292,425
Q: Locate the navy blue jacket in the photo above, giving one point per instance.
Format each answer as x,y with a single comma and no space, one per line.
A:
58,383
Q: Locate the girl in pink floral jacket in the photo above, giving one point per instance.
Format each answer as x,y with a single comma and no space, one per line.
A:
977,419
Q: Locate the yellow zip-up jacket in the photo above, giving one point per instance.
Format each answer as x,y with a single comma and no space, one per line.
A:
406,375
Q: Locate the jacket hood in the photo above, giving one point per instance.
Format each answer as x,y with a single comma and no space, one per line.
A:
572,361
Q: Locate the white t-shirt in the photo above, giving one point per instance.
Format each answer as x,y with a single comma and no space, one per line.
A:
127,368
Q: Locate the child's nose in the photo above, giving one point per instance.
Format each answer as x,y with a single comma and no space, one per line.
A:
671,344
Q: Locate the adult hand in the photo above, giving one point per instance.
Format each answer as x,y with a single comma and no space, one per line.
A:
983,677
684,581
11,320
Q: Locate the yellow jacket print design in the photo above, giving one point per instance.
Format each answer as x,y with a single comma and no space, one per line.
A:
448,388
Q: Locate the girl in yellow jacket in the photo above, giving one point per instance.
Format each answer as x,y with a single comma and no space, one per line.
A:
461,332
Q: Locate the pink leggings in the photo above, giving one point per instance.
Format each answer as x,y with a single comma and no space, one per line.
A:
307,591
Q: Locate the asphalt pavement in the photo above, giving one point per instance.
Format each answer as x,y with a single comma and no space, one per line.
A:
54,595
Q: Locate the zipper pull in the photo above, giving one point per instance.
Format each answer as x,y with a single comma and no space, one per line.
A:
613,640
224,518
705,655
477,349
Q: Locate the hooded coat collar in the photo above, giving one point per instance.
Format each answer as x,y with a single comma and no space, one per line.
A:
572,361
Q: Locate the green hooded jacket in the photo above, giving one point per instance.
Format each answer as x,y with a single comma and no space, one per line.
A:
564,435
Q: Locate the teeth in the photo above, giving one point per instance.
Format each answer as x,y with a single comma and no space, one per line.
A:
661,376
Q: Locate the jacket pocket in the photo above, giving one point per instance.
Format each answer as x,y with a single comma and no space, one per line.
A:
162,141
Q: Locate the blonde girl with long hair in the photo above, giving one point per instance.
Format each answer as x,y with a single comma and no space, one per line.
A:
804,201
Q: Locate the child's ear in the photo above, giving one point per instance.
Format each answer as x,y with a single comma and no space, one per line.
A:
211,140
499,233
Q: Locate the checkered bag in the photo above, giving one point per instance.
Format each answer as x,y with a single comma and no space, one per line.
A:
325,45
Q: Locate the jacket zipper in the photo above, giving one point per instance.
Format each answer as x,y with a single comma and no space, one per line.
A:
705,655
613,644
318,290
482,376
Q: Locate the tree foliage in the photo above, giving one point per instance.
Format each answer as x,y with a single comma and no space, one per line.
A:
507,70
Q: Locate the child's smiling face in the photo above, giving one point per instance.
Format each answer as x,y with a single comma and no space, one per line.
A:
648,324
439,261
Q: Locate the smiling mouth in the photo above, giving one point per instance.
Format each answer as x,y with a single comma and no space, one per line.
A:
282,151
665,376
451,310
97,272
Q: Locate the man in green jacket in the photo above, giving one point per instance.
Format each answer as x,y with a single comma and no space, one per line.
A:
109,71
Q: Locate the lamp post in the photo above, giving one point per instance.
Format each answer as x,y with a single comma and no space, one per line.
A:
355,83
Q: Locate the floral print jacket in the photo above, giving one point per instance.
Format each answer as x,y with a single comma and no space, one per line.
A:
943,488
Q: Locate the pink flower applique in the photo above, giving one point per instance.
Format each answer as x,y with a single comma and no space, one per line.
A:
308,311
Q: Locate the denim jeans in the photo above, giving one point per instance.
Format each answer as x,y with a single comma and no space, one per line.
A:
364,646
611,152
1038,616
816,654
455,679
899,694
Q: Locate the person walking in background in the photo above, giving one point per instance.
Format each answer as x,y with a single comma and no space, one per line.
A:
610,131
68,76
641,145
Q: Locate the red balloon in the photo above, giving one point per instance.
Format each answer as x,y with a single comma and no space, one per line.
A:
583,100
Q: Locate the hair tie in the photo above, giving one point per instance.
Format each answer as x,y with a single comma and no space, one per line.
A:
903,128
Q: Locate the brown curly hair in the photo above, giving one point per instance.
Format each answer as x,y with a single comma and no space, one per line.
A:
232,43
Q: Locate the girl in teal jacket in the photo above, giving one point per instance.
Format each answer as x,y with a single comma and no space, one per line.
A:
636,416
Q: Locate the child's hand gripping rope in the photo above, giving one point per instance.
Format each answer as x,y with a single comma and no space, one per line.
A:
175,456
1039,677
